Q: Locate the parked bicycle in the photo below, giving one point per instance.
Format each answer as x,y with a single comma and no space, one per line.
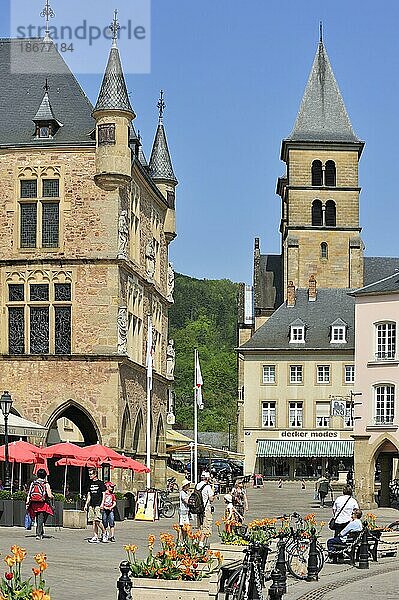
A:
165,507
248,579
171,485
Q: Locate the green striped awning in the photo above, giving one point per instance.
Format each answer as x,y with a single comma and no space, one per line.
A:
305,448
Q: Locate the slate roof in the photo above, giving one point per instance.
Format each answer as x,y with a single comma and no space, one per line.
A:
45,111
160,161
21,93
322,114
113,93
330,305
383,286
379,267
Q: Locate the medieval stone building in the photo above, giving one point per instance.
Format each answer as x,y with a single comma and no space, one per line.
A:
85,226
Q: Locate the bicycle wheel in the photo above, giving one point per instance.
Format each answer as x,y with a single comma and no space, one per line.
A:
298,556
168,509
394,526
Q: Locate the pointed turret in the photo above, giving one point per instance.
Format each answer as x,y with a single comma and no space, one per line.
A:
161,171
113,114
46,123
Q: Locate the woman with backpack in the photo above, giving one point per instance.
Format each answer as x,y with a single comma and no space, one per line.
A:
37,504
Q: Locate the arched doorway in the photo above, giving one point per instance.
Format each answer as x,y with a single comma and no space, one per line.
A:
70,422
386,470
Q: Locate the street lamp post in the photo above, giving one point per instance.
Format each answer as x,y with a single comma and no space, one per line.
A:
5,405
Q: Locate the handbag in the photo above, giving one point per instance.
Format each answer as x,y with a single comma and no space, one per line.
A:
28,522
331,523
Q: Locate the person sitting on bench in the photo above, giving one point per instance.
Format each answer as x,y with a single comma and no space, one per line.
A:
338,542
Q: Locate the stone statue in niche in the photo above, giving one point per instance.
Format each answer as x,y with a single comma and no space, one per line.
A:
122,330
123,234
170,359
150,259
170,283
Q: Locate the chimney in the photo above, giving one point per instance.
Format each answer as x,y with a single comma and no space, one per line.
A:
291,294
312,289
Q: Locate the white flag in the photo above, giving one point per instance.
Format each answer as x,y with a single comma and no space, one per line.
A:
198,383
150,352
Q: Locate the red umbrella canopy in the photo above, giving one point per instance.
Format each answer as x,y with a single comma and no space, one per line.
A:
101,454
133,465
28,446
17,453
75,462
63,450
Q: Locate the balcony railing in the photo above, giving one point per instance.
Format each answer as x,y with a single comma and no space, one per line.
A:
385,355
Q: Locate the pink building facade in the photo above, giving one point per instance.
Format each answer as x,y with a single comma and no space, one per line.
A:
376,408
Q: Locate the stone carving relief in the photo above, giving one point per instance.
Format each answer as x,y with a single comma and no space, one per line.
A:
150,259
170,359
122,330
123,234
170,283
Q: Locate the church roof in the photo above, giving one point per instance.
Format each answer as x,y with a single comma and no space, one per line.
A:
387,285
113,93
322,115
379,267
160,161
22,75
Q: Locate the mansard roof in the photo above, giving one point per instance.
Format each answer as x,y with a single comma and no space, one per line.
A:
21,92
322,115
113,93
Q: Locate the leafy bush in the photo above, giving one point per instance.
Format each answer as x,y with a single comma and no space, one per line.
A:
20,496
59,497
5,495
119,496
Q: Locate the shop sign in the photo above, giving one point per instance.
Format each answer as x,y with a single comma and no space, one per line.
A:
316,434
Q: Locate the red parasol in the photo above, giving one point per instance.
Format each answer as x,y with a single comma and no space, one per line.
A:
133,465
16,453
101,454
63,450
75,462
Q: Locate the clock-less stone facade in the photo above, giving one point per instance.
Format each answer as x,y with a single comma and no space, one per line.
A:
85,228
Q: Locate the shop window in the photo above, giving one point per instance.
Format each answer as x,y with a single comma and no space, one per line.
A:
269,374
268,414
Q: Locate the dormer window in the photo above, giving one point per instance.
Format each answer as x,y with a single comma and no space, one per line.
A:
297,332
44,132
46,124
338,332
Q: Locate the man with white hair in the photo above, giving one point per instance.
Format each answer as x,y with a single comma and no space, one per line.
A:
205,519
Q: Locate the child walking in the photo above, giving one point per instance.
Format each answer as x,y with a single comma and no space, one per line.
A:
108,517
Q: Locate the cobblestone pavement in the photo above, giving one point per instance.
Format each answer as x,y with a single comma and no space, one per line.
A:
82,571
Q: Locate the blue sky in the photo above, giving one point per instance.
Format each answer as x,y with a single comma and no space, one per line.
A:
234,73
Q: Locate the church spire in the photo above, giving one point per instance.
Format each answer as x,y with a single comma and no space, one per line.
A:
322,115
113,93
160,162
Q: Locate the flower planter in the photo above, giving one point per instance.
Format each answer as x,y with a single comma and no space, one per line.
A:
6,513
56,520
388,545
74,519
120,512
229,551
153,589
19,512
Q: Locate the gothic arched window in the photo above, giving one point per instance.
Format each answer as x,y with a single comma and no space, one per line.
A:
331,214
317,213
323,250
317,173
330,175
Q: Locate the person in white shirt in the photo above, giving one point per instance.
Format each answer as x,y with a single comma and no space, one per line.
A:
205,520
343,508
184,516
333,544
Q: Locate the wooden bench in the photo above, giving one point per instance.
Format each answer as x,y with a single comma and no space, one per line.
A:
350,549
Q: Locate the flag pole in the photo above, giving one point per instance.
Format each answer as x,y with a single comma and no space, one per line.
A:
195,419
149,386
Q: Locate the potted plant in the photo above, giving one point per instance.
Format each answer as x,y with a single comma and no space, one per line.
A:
120,506
58,506
6,509
12,584
19,508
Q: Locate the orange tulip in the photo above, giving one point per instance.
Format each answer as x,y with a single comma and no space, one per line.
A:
35,571
9,560
40,595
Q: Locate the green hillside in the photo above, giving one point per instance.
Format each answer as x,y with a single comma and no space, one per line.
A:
204,317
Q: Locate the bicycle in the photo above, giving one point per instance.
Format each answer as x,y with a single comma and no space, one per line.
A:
165,507
248,580
171,485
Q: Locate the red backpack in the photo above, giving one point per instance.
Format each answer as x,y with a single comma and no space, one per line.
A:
37,492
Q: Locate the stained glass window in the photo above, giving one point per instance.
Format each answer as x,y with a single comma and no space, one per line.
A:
62,292
28,225
39,329
62,329
29,188
16,330
51,188
16,292
50,224
39,292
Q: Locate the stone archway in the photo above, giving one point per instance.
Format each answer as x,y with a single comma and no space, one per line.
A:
80,417
385,453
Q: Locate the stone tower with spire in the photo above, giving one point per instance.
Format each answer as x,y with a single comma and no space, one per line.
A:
320,191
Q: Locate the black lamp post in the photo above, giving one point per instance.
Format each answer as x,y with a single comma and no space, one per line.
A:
5,405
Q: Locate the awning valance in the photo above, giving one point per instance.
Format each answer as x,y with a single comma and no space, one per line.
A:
22,427
308,448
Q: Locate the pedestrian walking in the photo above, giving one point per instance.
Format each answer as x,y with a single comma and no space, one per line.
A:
108,516
37,502
322,488
205,519
94,504
231,514
184,513
240,500
342,510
